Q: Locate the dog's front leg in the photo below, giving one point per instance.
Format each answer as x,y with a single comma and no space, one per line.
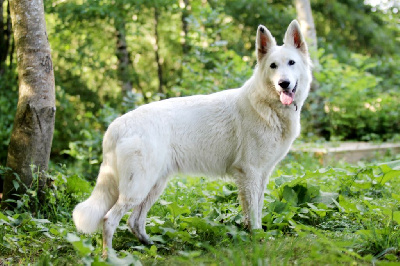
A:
261,192
250,187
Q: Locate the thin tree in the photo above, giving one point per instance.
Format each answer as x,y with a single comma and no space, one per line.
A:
185,25
5,36
124,58
32,134
304,15
315,105
161,88
126,71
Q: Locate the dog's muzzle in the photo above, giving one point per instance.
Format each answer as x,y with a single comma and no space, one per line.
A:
286,96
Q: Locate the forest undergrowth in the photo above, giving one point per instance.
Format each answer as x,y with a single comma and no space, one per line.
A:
346,214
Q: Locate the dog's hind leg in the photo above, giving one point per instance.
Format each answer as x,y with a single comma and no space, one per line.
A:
130,196
137,220
111,221
137,175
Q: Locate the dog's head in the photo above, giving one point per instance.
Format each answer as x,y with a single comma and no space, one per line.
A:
285,69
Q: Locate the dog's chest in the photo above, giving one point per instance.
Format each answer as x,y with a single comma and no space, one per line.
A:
265,143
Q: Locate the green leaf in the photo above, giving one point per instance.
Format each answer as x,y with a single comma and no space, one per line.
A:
278,220
390,175
128,258
190,254
153,250
303,194
163,202
391,257
83,246
4,217
41,221
393,165
277,206
177,210
326,198
396,196
227,191
16,184
72,238
157,238
289,195
282,180
396,216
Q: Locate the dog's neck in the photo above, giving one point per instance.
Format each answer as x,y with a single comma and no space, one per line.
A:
279,117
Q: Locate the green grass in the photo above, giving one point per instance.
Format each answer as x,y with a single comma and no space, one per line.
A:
312,215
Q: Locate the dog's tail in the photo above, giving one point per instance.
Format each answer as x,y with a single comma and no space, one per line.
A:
88,215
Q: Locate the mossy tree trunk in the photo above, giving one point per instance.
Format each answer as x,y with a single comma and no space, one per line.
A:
33,128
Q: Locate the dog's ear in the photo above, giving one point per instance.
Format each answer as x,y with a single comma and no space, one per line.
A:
264,42
294,37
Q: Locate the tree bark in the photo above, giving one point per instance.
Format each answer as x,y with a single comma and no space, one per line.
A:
304,15
157,54
185,26
124,59
33,128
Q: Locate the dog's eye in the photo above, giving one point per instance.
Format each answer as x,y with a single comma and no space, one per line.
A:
273,66
291,62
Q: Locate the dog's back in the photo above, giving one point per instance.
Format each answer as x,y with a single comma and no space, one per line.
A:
195,134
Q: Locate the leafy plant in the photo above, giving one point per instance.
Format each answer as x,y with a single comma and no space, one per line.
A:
348,214
355,105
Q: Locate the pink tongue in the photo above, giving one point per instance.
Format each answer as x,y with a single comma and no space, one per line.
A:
287,98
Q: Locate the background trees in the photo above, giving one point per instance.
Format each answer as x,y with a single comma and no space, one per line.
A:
110,57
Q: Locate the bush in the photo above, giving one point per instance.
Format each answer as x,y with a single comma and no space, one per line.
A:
354,104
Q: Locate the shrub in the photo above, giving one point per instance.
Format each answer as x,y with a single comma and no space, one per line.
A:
354,104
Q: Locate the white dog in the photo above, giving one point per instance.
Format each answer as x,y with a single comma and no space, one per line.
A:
242,133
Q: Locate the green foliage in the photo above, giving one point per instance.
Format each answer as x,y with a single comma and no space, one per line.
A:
363,31
347,215
8,107
356,105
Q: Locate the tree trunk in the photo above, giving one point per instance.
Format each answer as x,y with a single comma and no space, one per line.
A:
157,54
9,35
304,15
124,59
185,26
33,128
315,105
2,37
5,37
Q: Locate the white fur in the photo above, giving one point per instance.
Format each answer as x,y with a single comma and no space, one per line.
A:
241,132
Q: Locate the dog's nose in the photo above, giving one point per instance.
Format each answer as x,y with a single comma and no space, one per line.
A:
284,84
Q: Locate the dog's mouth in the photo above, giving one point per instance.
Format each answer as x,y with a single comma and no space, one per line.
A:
287,97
